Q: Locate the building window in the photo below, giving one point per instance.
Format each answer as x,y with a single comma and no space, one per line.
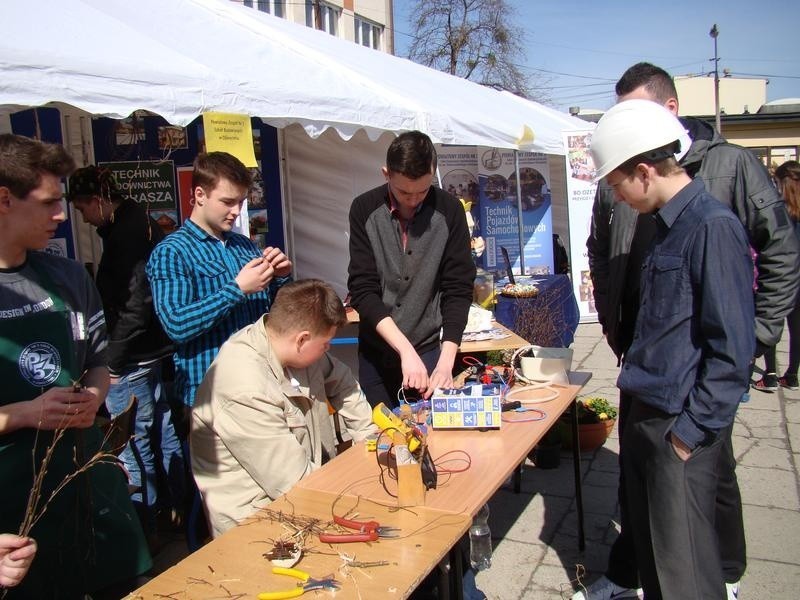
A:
273,7
320,15
779,155
368,33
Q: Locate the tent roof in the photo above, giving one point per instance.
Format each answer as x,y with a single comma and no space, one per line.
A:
180,58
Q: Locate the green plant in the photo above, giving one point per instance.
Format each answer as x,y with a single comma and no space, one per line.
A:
496,357
595,410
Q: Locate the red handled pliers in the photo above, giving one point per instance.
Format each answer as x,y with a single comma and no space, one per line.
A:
366,531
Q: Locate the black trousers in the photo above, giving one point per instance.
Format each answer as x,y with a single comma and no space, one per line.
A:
672,506
729,524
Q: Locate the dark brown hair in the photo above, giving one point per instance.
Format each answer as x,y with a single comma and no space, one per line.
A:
788,174
210,167
411,154
310,304
23,161
656,80
662,160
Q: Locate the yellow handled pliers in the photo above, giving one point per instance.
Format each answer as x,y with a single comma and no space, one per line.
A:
308,584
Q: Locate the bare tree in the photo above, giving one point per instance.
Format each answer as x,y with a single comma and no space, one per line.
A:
473,39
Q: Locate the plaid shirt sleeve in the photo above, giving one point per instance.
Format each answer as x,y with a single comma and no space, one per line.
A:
186,304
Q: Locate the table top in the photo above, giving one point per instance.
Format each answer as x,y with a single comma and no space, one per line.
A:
510,341
493,455
232,566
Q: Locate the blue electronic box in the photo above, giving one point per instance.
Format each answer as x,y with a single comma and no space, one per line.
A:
474,406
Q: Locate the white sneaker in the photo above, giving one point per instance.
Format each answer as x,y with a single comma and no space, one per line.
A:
605,589
733,590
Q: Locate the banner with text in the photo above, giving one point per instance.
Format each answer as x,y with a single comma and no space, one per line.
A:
500,212
151,183
580,198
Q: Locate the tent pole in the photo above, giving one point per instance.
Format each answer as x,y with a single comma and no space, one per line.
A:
519,215
286,200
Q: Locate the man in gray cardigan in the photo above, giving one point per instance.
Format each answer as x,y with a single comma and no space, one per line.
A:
410,275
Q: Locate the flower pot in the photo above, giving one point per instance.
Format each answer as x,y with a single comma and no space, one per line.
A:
590,435
547,456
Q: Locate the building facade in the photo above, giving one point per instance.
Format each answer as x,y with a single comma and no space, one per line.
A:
365,22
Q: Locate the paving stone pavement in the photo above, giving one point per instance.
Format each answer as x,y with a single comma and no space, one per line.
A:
535,532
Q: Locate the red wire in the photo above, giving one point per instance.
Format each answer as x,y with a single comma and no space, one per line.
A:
439,462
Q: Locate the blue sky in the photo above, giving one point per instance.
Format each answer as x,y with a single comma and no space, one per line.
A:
585,45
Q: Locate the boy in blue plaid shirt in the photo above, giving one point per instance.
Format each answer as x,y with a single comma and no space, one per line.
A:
208,281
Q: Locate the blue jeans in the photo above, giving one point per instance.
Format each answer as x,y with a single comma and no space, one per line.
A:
155,441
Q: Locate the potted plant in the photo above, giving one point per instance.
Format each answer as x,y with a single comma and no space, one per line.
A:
596,418
547,453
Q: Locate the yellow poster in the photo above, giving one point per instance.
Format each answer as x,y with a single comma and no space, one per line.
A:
227,132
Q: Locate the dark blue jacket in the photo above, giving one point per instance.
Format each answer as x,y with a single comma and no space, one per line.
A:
694,336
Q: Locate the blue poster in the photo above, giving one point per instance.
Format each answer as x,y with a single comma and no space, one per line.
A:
500,211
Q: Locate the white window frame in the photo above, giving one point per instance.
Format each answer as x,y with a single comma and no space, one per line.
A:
331,16
274,7
374,37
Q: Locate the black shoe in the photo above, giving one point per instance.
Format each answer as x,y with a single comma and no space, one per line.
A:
768,383
789,382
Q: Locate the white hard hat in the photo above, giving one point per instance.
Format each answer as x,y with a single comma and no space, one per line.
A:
631,128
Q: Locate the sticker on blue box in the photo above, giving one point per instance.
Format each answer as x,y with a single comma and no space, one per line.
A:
474,406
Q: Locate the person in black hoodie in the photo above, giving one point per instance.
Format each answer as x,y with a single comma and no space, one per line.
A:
137,344
619,241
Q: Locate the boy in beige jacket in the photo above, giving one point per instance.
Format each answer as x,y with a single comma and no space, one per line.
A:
260,422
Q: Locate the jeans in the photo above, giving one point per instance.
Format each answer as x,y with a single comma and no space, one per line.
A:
157,446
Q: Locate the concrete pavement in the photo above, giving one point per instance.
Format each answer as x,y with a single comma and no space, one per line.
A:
535,532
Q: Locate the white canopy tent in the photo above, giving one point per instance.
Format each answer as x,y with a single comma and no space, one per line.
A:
180,58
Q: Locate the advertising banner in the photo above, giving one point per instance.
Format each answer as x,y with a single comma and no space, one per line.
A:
500,211
580,198
152,183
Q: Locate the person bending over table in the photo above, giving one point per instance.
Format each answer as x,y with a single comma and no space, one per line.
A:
260,422
410,275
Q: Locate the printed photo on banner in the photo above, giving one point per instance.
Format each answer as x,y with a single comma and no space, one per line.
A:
172,137
501,210
581,190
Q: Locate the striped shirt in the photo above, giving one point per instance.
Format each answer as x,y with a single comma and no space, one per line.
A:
197,299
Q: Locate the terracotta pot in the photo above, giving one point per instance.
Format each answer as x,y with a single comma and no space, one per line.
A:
547,456
591,435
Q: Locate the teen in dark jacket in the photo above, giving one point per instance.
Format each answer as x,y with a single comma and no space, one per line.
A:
619,241
137,344
735,177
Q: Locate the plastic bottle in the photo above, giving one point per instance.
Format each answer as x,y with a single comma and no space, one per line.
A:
480,540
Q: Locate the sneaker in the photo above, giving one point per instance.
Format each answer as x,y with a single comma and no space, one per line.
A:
605,589
733,590
789,382
768,383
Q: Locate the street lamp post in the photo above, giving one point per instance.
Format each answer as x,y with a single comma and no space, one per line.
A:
714,33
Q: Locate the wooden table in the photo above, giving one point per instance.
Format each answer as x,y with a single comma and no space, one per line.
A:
494,456
233,565
348,335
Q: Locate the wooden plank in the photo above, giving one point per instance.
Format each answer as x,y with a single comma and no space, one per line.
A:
233,564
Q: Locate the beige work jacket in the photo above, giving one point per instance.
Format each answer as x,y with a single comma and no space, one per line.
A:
257,428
